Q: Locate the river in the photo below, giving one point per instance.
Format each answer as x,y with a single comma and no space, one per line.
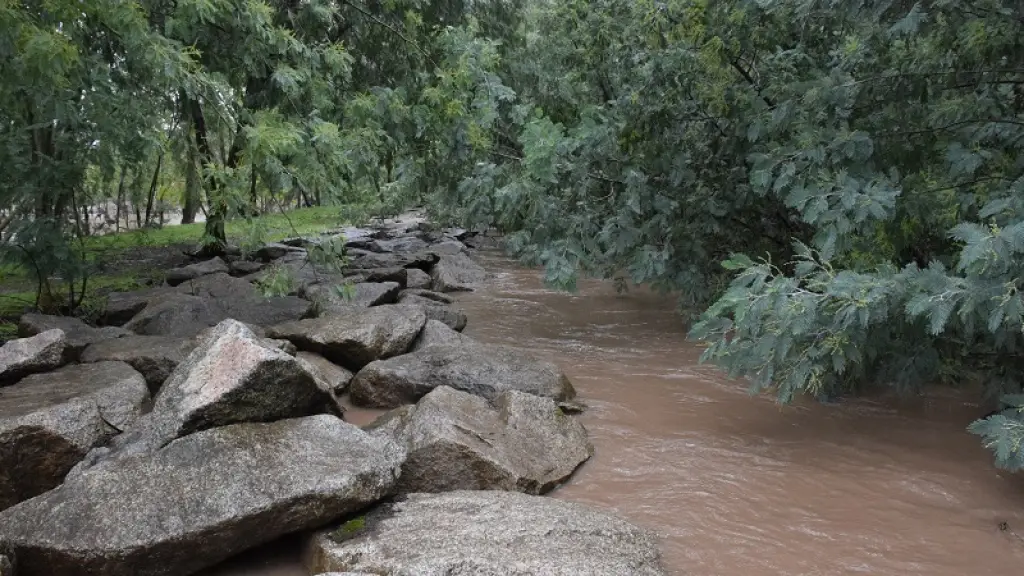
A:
735,484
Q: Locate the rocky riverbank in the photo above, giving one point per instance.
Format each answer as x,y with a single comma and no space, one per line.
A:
203,419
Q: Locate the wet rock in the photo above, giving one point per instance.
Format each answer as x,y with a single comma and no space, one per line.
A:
245,267
458,441
397,275
177,276
402,244
430,294
449,247
482,369
416,278
359,295
456,233
275,250
24,356
155,357
201,499
79,334
179,315
330,378
48,422
437,332
121,307
232,376
455,273
488,532
449,314
371,260
357,336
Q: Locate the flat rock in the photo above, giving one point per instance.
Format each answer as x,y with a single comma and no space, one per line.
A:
458,441
79,334
397,275
416,278
275,250
456,273
357,336
48,422
245,267
155,357
451,315
178,276
239,300
447,247
231,376
401,244
359,295
24,356
489,533
482,369
202,499
371,260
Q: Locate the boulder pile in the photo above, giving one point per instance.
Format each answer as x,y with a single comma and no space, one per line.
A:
204,418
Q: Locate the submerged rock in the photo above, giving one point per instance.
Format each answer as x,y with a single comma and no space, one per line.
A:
48,422
456,273
24,356
458,441
79,334
482,369
355,337
201,499
487,532
155,357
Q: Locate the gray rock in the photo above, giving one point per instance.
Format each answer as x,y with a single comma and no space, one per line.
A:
449,314
456,233
176,276
488,532
429,294
482,369
275,250
458,441
456,273
397,275
448,247
371,260
232,376
48,422
356,336
79,334
155,357
120,307
362,295
437,332
416,278
176,315
24,356
330,378
245,267
202,499
410,244
7,561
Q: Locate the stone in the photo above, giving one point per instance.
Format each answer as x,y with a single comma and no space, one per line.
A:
447,247
48,422
402,244
361,295
231,376
437,332
430,294
489,533
371,260
449,314
458,441
121,307
155,357
245,267
79,334
178,315
396,274
456,233
202,499
178,276
357,336
330,378
24,356
7,560
416,278
275,250
456,273
486,370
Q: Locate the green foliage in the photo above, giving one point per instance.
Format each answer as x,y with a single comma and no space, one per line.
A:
277,281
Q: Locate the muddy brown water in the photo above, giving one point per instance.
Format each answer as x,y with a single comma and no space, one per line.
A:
734,484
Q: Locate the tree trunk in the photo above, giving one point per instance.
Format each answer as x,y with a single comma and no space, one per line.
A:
120,201
216,239
152,186
190,204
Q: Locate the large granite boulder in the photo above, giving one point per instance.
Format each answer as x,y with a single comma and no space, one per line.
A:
231,376
155,357
48,422
436,309
181,275
329,301
447,247
482,369
23,356
201,499
417,279
487,532
355,337
79,334
458,441
456,272
410,244
177,315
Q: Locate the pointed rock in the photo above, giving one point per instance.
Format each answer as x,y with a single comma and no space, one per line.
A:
451,315
79,334
24,356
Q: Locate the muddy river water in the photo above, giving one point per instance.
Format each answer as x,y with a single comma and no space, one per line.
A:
738,485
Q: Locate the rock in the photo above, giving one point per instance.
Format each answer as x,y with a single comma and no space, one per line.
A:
48,422
488,532
458,441
456,233
449,247
453,316
275,250
430,294
402,244
7,561
482,369
330,378
24,356
397,275
360,295
437,332
176,315
120,307
202,499
245,267
155,357
416,278
79,334
357,336
371,260
232,376
177,276
455,273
